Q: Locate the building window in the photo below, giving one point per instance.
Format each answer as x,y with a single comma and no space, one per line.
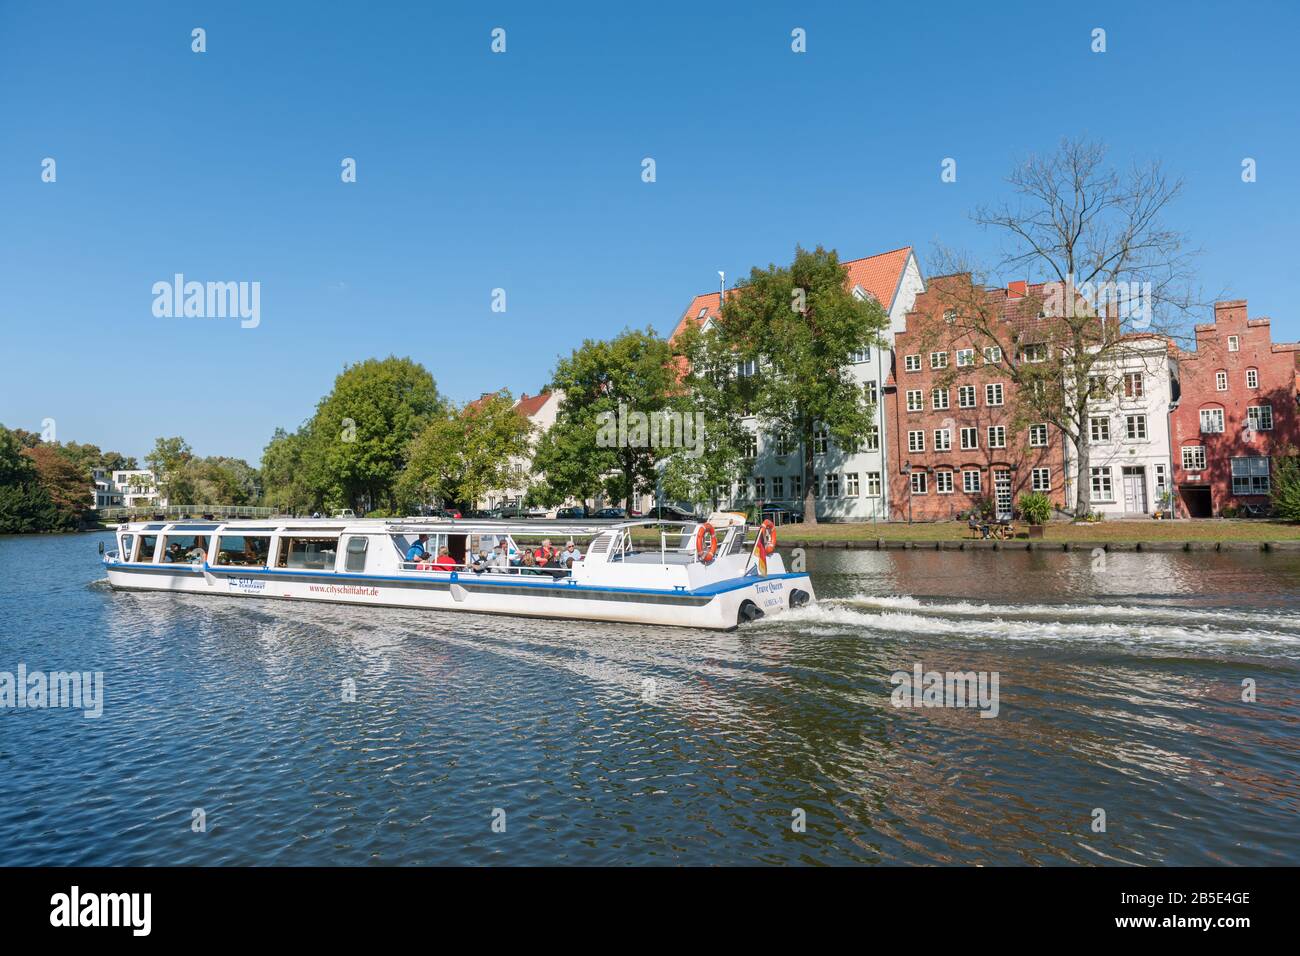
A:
1221,381
993,393
970,438
939,398
938,360
965,357
965,396
832,485
950,316
970,481
1162,481
760,487
778,487
993,354
1234,344
1133,385
750,449
851,484
796,487
820,440
1098,388
871,440
1135,427
997,436
784,444
916,440
1041,479
1252,378
1250,476
1193,457
873,484
942,439
912,363
1034,353
943,482
861,355
746,368
915,400
1038,436
1101,487
1211,421
1260,417
873,397
1099,429
817,485
918,483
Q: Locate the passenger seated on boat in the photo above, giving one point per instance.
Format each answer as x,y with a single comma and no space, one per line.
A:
417,551
445,561
480,563
527,564
544,554
570,554
199,552
499,560
173,554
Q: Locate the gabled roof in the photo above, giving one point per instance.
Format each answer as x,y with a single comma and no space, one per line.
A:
879,276
528,406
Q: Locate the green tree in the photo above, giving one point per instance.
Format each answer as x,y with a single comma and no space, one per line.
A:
357,443
714,398
64,485
25,507
1286,486
605,382
800,326
170,463
461,456
284,479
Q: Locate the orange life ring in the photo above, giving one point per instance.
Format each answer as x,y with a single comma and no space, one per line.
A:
767,533
706,555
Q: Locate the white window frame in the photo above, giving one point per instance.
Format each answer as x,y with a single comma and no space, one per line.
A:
971,483
1038,435
1197,456
1041,479
912,363
915,400
1212,417
1103,486
942,478
938,360
1135,427
997,436
918,483
943,439
1220,381
916,440
1263,415
1234,343
969,438
1099,429
873,484
993,393
1252,378
939,399
962,392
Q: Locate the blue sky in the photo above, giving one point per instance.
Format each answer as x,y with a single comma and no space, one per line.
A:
523,171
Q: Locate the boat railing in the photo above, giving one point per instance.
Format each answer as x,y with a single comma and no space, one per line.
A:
463,568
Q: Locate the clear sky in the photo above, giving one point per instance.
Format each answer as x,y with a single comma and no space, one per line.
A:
522,171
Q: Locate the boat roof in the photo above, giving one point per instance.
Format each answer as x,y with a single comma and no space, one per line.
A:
411,525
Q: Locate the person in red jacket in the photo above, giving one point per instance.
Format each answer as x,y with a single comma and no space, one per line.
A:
445,561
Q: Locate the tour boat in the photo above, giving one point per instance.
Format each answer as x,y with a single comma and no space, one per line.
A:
700,574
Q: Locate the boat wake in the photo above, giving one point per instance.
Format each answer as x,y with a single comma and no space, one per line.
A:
1152,626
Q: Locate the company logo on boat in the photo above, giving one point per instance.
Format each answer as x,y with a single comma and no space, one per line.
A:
246,585
922,688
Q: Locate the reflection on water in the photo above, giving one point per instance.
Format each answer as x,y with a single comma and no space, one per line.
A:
1120,682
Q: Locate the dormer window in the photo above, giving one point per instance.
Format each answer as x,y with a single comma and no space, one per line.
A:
703,313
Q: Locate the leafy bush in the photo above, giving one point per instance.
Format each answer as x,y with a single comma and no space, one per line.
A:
1286,488
1035,507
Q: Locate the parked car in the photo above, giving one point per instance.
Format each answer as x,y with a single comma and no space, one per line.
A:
537,511
345,513
670,513
571,514
480,514
780,514
611,513
512,511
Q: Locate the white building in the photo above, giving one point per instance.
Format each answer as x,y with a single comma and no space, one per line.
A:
1129,448
539,411
127,487
852,484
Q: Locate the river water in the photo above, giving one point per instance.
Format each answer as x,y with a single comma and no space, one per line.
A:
493,740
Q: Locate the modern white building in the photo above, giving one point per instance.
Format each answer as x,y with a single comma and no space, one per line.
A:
539,411
1130,467
852,484
131,488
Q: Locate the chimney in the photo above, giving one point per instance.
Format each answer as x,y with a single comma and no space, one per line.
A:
722,288
1018,289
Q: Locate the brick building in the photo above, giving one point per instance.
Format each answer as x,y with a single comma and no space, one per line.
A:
1236,411
953,436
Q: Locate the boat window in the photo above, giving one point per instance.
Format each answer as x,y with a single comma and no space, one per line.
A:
315,553
356,560
148,543
185,548
243,550
128,541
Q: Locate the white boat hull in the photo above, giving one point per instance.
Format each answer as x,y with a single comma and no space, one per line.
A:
719,606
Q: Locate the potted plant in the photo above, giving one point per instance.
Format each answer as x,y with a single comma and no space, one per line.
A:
1164,504
1036,508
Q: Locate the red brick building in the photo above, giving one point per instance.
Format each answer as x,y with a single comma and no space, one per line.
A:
1236,410
954,441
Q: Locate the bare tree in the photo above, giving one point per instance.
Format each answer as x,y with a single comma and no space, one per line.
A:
1103,276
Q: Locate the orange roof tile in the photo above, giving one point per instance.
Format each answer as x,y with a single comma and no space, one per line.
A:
878,275
530,405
